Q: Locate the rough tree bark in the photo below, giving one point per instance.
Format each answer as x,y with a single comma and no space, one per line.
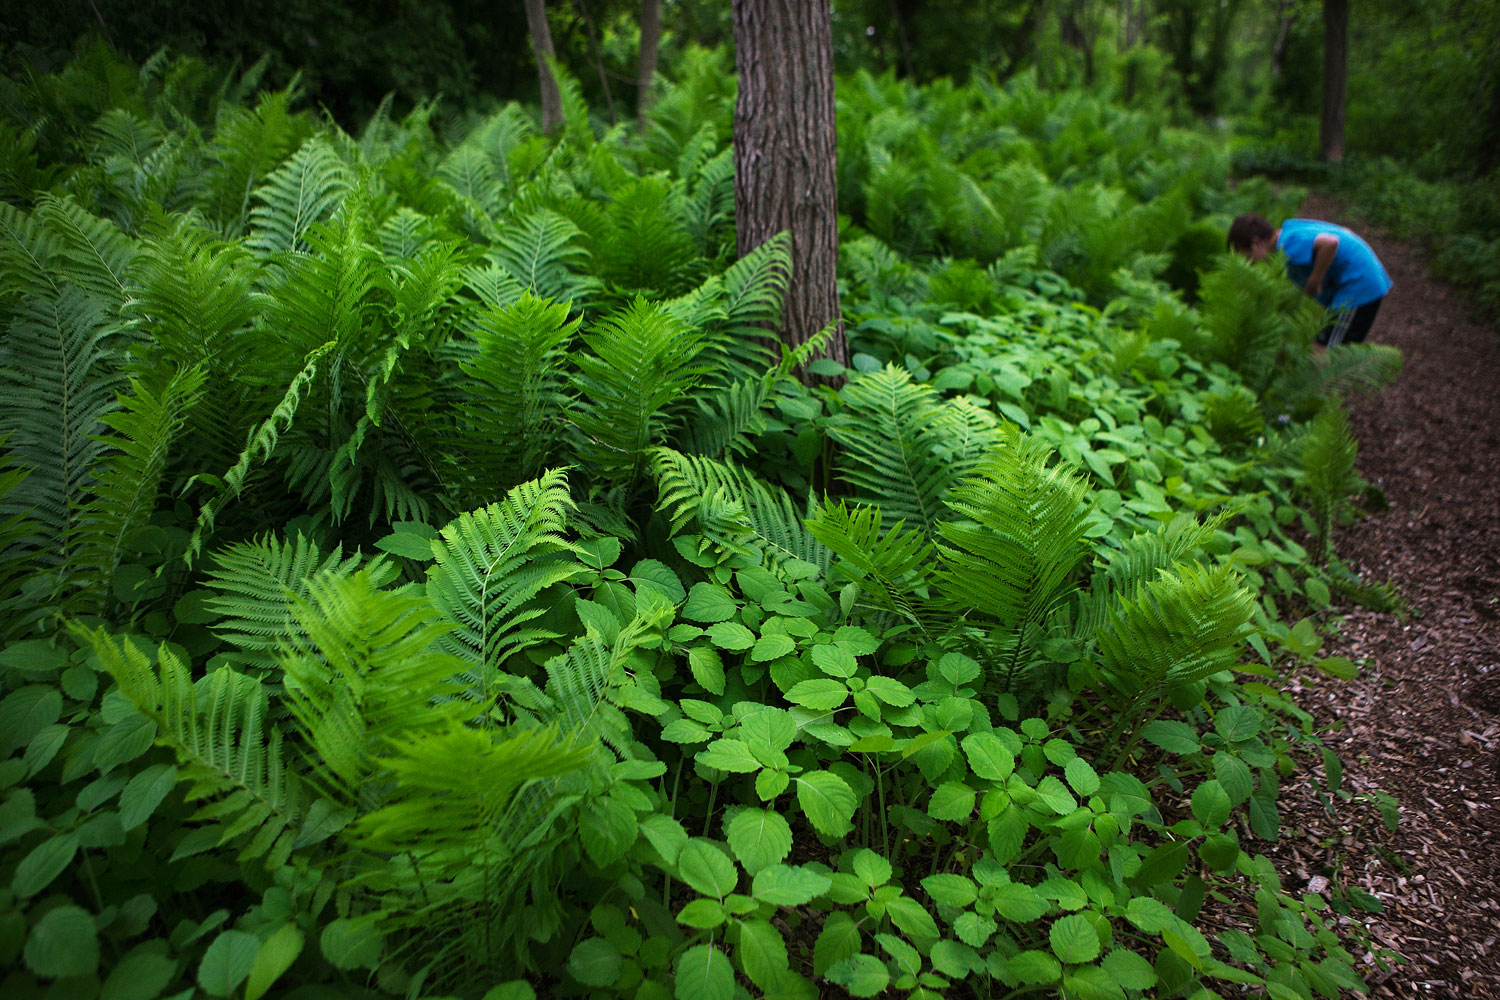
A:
646,67
541,44
784,152
1335,79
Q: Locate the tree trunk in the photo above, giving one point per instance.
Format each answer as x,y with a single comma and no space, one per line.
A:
1335,78
784,152
646,66
1285,15
541,44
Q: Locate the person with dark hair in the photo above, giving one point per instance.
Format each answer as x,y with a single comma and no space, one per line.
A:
1331,263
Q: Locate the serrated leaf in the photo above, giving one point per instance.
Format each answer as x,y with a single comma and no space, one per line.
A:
1074,939
890,691
836,661
787,885
972,929
1129,969
274,956
731,635
861,975
1081,776
144,792
1173,737
1211,804
827,801
821,694
350,943
595,962
707,668
1018,902
1234,775
729,755
988,758
1055,795
772,646
950,890
703,973
762,953
702,914
44,863
759,837
63,943
141,975
952,801
839,939
703,865
709,602
1034,968
1237,722
227,962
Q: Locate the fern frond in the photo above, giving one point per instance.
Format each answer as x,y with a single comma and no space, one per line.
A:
247,145
1353,368
892,567
473,174
97,252
1013,555
326,295
303,190
128,479
1181,627
259,582
261,445
639,362
729,418
889,431
61,369
190,294
733,508
231,757
491,564
27,252
1327,453
543,251
362,669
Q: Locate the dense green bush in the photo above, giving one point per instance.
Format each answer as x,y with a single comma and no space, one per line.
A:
424,580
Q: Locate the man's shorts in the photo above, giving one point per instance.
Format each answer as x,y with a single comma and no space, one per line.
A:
1349,326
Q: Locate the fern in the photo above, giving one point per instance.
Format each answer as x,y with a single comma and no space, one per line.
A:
247,145
734,510
1013,556
891,431
98,256
259,582
230,756
893,567
543,252
639,362
1181,627
128,480
60,365
1353,368
361,671
303,190
27,252
491,564
512,409
1327,455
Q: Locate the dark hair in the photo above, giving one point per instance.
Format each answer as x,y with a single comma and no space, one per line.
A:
1247,229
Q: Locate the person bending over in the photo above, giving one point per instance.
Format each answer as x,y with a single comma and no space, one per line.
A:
1331,263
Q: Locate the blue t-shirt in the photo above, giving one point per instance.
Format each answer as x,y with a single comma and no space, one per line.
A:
1355,277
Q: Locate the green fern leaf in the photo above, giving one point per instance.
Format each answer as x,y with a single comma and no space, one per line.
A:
1183,626
302,191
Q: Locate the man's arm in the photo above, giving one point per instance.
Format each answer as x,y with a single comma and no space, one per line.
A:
1325,247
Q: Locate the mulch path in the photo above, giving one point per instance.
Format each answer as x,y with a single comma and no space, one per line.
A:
1422,721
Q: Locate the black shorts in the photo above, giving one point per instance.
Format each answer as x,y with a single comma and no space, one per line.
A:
1349,326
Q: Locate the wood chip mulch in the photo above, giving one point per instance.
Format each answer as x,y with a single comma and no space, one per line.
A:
1422,721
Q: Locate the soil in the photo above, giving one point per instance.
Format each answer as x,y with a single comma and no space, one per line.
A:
1422,720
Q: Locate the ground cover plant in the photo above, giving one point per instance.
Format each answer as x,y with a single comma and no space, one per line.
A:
424,578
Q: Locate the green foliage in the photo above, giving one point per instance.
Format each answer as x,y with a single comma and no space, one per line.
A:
937,666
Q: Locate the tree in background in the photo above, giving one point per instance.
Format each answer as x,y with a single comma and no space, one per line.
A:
646,62
541,45
784,148
1335,76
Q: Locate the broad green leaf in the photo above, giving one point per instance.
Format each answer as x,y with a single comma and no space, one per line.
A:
1211,804
972,929
607,829
274,956
729,755
665,834
836,661
227,962
952,801
1173,737
26,712
1074,939
758,837
861,975
768,731
141,975
43,864
1018,902
890,691
709,602
1164,863
838,940
786,885
1129,969
772,647
1150,915
950,890
909,916
1034,968
702,914
703,973
821,694
1303,639
762,953
1055,795
703,865
350,943
1089,982
988,757
873,870
1265,818
144,792
1234,775
707,668
1081,776
731,635
1238,722
828,802
595,962
63,943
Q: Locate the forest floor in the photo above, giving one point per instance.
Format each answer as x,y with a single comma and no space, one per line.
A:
1422,720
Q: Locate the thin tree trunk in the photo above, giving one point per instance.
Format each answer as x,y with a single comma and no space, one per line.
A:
588,27
1284,18
1335,79
541,44
784,149
646,66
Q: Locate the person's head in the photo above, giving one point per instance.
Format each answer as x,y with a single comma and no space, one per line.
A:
1251,236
